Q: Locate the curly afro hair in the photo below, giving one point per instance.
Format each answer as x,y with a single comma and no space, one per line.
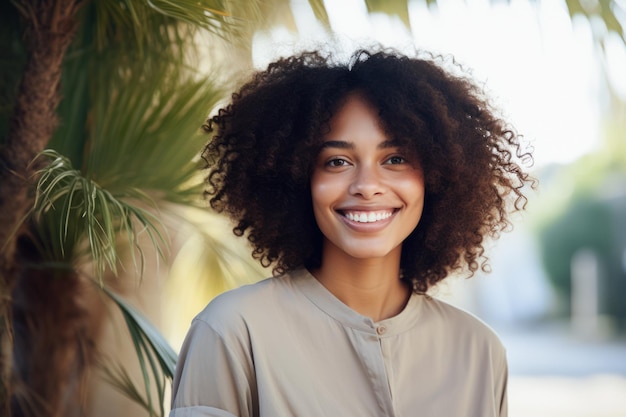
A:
266,140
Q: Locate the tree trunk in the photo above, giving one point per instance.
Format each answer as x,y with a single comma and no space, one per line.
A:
51,27
54,343
50,31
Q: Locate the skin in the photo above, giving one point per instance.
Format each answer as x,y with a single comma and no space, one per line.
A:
368,196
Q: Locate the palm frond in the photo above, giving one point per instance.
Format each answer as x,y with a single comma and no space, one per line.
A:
70,208
118,378
138,24
210,15
132,27
156,358
146,132
73,110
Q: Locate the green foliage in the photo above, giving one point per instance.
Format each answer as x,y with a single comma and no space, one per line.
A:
127,145
146,133
70,208
129,135
586,224
143,22
156,359
581,209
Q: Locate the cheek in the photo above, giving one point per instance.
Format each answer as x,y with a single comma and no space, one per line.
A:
322,189
316,192
413,194
318,198
412,187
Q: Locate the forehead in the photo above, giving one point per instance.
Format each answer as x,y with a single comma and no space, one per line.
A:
357,121
353,109
355,117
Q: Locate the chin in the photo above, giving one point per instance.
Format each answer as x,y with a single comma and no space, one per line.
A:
369,253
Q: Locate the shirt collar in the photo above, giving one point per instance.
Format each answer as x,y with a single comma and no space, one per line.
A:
332,306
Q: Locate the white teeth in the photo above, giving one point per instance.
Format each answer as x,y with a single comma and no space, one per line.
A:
368,217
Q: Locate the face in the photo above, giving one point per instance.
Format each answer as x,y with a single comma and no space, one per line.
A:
367,193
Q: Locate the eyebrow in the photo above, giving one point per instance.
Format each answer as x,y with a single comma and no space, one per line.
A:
340,144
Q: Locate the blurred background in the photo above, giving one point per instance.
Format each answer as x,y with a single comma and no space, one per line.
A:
118,202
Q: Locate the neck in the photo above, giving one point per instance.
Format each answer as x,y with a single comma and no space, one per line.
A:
371,287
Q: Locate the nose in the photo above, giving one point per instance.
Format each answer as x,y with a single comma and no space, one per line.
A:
366,183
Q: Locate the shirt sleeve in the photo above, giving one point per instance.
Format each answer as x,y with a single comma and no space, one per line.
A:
212,378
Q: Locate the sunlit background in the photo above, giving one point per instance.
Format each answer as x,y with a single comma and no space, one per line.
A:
556,291
106,267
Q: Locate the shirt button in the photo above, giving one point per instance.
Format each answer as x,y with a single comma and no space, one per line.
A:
381,330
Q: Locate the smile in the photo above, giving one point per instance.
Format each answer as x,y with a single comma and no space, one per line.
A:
367,216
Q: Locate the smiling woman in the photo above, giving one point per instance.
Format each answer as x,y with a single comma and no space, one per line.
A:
363,184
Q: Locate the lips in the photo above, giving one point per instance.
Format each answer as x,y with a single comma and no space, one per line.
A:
369,216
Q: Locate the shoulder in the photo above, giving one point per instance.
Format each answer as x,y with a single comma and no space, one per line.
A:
235,308
460,324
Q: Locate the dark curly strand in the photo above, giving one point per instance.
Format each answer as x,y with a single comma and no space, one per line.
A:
265,142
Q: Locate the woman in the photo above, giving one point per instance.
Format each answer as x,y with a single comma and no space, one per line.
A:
364,184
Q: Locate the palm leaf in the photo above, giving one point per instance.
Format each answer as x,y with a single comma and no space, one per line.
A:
118,378
156,358
140,25
70,208
142,21
143,147
146,132
116,37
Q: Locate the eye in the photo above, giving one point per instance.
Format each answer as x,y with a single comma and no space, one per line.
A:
336,162
395,160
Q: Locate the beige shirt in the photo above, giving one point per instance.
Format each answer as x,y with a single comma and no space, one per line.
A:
287,347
